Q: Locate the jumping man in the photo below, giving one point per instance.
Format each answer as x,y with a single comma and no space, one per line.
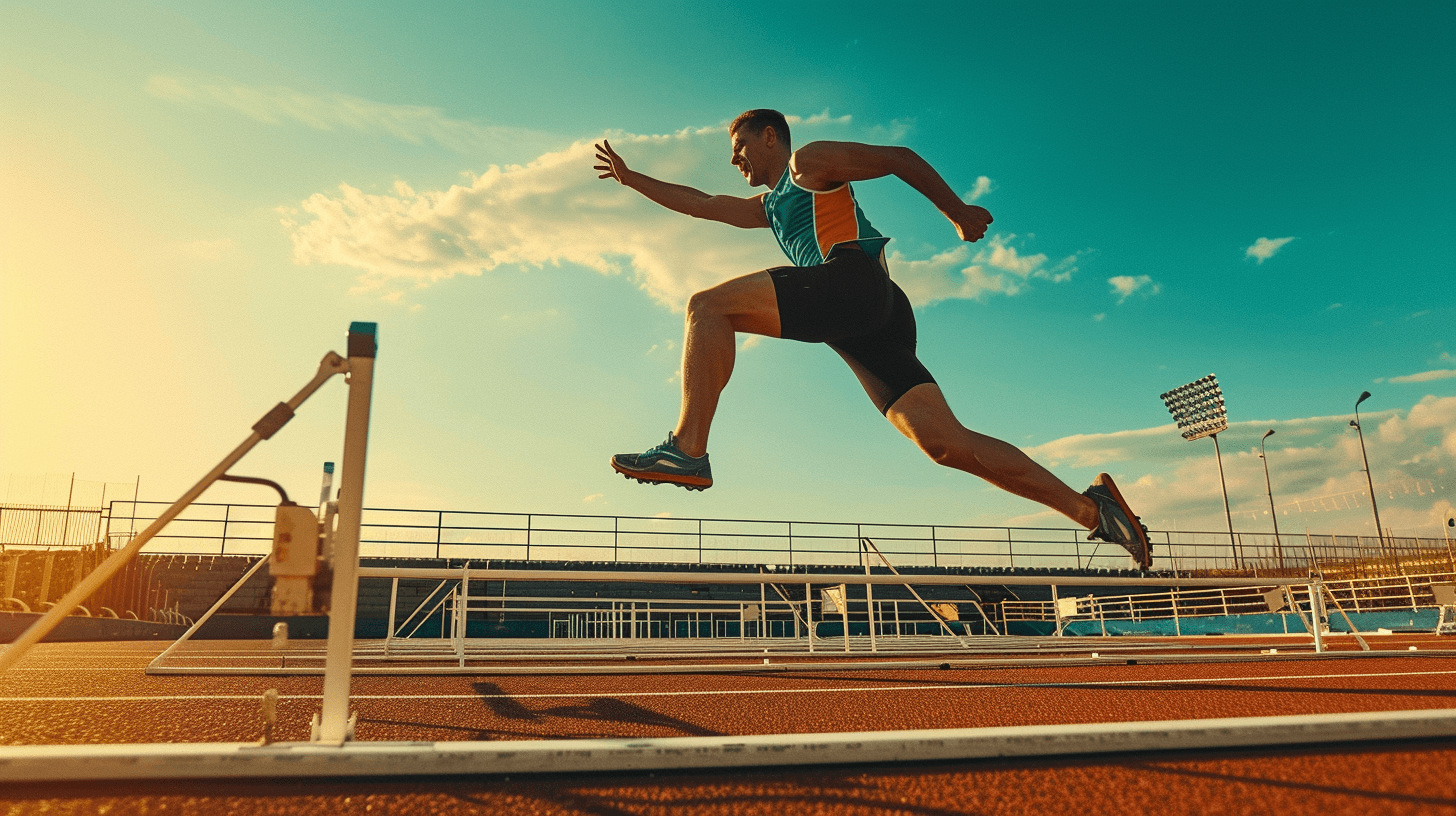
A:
838,292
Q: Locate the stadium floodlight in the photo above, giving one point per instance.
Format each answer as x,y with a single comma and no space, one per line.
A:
1199,410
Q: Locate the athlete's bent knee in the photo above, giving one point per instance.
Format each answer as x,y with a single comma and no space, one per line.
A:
705,303
699,303
939,450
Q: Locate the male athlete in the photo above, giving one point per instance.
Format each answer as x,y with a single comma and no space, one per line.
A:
838,292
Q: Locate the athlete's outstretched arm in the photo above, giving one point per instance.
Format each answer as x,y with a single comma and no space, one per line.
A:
739,212
825,165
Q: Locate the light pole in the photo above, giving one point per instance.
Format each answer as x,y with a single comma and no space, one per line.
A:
1269,488
1450,522
1355,423
1199,411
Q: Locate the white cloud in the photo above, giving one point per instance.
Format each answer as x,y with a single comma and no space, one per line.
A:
1425,376
1099,450
820,118
338,112
555,211
997,267
983,186
893,133
1264,248
549,212
1126,286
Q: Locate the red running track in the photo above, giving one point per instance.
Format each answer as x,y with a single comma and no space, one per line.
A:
97,693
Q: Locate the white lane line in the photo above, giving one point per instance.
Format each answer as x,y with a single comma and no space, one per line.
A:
703,693
54,669
154,698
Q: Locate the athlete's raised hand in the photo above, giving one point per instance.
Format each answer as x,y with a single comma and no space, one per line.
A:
971,221
612,165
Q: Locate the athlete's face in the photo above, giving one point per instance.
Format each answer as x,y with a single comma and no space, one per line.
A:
750,154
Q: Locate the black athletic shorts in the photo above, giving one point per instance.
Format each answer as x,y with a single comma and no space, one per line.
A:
849,303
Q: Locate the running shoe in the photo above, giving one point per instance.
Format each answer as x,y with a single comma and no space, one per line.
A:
1116,523
666,464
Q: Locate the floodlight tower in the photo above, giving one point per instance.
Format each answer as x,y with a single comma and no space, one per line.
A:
1355,423
1199,411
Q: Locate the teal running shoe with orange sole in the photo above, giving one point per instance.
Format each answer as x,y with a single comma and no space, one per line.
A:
666,464
1116,523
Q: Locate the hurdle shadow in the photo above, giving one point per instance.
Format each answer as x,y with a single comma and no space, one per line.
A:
551,722
595,710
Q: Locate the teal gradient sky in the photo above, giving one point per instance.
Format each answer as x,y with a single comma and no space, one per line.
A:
199,197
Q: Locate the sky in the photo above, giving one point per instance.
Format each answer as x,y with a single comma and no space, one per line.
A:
198,198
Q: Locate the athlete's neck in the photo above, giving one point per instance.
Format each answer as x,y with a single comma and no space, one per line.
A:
778,177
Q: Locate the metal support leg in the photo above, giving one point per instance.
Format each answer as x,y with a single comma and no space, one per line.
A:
870,546
1353,631
160,659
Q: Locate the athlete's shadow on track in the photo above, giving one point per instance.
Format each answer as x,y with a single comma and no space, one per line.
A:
604,710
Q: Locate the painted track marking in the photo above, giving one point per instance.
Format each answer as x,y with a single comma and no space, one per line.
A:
856,689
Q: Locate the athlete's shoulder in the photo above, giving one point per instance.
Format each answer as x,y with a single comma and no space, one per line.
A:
823,165
813,156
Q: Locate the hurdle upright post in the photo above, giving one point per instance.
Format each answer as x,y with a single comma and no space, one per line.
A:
1316,618
334,724
809,615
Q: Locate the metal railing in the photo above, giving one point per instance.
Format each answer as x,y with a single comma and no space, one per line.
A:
246,529
447,612
37,525
1407,592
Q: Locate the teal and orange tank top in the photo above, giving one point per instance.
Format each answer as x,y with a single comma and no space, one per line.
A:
808,223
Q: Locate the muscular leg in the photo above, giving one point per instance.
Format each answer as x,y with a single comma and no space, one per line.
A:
923,415
746,304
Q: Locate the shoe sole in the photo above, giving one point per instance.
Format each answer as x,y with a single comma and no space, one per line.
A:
652,477
1139,529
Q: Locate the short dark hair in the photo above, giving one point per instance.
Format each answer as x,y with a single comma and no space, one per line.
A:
754,121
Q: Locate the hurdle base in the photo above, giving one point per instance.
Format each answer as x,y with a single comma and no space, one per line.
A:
53,763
